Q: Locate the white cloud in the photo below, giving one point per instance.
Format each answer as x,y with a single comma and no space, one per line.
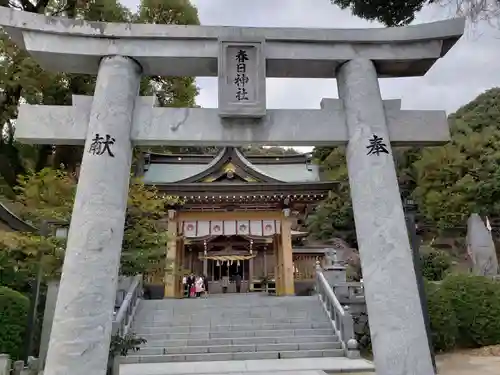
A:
470,68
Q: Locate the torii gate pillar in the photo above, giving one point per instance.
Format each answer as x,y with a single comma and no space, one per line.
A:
85,303
393,302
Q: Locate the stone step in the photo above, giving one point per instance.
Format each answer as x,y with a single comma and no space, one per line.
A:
145,328
232,356
287,372
214,320
314,307
148,350
236,304
227,312
307,306
243,341
234,300
238,334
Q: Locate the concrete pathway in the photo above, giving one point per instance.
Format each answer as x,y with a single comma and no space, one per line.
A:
484,361
295,366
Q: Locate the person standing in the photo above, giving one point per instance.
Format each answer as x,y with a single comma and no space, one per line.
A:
237,281
199,286
190,285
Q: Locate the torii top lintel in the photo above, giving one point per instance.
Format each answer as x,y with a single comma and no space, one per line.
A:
75,46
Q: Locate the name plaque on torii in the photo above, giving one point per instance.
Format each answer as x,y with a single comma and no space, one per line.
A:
242,79
115,119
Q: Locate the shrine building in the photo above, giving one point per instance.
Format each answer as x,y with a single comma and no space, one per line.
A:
240,215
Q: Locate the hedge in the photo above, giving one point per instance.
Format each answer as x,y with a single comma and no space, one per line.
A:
476,303
443,320
464,312
13,318
435,264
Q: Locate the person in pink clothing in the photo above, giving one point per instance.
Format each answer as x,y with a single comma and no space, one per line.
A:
199,285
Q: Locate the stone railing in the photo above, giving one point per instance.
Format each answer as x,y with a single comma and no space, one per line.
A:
125,314
18,367
340,316
349,291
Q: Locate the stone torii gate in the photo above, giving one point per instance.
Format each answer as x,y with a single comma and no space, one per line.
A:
115,119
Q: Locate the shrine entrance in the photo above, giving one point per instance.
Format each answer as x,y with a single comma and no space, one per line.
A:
227,246
226,259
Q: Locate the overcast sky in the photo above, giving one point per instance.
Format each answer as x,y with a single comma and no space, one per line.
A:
471,67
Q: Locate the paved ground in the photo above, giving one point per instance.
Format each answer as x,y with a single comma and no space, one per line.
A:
472,363
485,361
295,366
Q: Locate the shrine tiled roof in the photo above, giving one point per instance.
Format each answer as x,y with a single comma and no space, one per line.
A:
229,166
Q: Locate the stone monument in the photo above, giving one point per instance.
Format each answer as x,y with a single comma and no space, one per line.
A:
481,248
115,119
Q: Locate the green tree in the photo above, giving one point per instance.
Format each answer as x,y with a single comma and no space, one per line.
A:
334,217
400,13
463,176
268,151
49,194
21,79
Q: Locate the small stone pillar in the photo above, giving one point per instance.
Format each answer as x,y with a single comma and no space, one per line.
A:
399,339
5,364
48,317
81,331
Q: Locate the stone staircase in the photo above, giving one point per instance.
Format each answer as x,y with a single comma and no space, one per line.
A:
233,327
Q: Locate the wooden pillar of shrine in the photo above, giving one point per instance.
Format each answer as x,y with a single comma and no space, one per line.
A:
179,268
277,265
171,267
250,271
287,287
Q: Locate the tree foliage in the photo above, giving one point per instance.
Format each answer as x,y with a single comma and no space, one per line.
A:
268,151
22,80
333,217
463,176
49,194
448,183
400,13
389,13
435,264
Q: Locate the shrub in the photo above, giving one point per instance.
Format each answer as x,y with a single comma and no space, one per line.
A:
464,312
435,264
476,303
443,320
13,318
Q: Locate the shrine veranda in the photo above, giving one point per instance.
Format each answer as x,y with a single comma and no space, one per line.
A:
115,119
